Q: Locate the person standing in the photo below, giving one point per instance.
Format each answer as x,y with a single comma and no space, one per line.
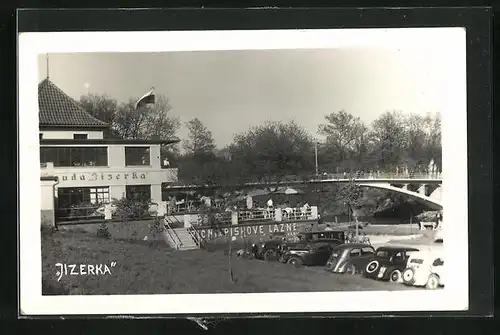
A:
249,202
269,208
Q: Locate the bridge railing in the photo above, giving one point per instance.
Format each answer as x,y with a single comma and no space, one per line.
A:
374,175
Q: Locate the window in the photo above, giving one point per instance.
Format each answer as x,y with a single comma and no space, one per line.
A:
137,156
75,156
398,256
355,252
382,253
80,203
80,136
322,247
367,251
68,197
438,262
139,192
40,136
408,253
99,195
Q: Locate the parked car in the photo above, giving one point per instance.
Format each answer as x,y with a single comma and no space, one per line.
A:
310,254
350,258
267,250
271,249
333,236
425,268
388,263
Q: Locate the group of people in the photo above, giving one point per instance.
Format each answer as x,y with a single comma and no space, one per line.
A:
269,208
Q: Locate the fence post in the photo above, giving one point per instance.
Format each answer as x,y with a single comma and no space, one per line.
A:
234,217
278,215
314,212
107,212
187,221
162,208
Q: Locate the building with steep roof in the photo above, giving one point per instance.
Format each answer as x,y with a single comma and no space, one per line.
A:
84,169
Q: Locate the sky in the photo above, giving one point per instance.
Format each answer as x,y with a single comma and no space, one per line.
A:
230,91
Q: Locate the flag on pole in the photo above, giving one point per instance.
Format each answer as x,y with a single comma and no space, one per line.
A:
148,98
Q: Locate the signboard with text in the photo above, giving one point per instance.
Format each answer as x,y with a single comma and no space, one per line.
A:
103,177
242,231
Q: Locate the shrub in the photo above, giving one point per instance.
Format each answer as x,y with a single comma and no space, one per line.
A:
83,210
156,227
130,209
428,216
103,231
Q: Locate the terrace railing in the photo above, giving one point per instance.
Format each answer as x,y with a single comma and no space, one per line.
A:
172,233
196,235
261,215
78,213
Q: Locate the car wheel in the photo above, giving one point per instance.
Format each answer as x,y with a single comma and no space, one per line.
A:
295,262
432,282
351,270
371,267
408,277
270,255
395,276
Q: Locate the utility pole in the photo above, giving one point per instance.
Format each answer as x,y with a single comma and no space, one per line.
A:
316,156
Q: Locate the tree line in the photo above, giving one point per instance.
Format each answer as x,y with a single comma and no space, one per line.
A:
275,149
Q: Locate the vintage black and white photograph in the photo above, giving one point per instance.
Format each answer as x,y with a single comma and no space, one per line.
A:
311,166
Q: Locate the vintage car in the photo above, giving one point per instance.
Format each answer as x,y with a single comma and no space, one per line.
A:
388,263
350,258
271,249
425,268
333,236
278,243
307,254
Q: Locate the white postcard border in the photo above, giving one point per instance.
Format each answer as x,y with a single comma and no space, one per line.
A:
454,110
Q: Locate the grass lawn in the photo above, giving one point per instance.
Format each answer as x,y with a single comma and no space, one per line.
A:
145,268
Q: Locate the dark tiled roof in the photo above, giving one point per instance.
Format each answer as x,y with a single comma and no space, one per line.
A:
56,108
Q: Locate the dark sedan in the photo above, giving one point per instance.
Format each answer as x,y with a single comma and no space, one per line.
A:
310,254
388,263
350,258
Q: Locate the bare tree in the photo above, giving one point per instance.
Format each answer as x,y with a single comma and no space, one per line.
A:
200,138
100,106
147,122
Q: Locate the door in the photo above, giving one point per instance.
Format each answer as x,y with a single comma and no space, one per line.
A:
321,253
398,259
355,258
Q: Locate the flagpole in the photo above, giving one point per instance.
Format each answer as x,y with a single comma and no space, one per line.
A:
47,60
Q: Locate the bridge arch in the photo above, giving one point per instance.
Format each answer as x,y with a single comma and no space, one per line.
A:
432,201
